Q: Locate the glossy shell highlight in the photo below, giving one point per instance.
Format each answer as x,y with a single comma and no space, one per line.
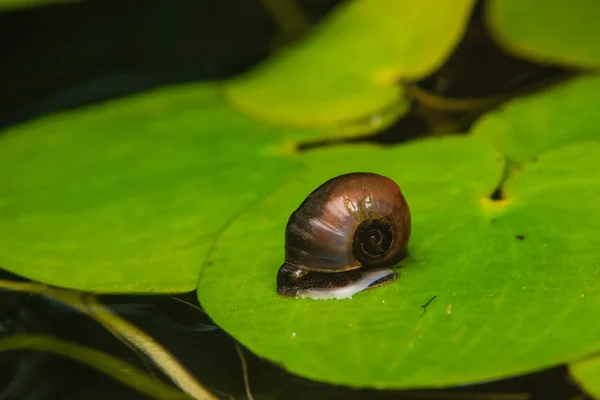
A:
328,230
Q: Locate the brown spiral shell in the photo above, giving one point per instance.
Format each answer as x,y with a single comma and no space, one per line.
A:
353,221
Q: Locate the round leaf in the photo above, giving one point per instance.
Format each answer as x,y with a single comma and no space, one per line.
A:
346,70
515,282
550,31
128,196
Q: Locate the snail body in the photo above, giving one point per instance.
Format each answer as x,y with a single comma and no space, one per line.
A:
345,237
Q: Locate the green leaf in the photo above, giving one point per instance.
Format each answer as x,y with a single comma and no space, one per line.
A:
18,4
344,74
548,31
587,374
117,369
128,196
504,306
525,127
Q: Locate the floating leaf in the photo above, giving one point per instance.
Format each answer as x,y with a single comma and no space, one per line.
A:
560,115
549,31
516,281
345,73
129,196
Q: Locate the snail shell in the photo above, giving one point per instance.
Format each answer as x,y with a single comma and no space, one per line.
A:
345,237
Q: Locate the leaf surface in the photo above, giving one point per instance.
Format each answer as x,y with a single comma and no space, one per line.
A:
548,31
344,74
514,282
558,116
129,196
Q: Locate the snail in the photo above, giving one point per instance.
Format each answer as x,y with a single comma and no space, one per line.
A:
344,238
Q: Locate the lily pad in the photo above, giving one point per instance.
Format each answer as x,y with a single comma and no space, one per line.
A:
587,374
560,115
514,283
128,196
549,31
345,72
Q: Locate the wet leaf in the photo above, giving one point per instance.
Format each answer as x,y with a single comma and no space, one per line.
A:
344,74
549,31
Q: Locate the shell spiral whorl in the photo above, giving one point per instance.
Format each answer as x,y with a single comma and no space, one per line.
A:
349,225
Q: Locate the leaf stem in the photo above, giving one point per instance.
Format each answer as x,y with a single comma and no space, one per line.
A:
112,366
89,304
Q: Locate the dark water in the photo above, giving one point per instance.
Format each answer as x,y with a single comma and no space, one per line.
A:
208,352
67,56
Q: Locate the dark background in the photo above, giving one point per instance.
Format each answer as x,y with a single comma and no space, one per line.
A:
65,56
